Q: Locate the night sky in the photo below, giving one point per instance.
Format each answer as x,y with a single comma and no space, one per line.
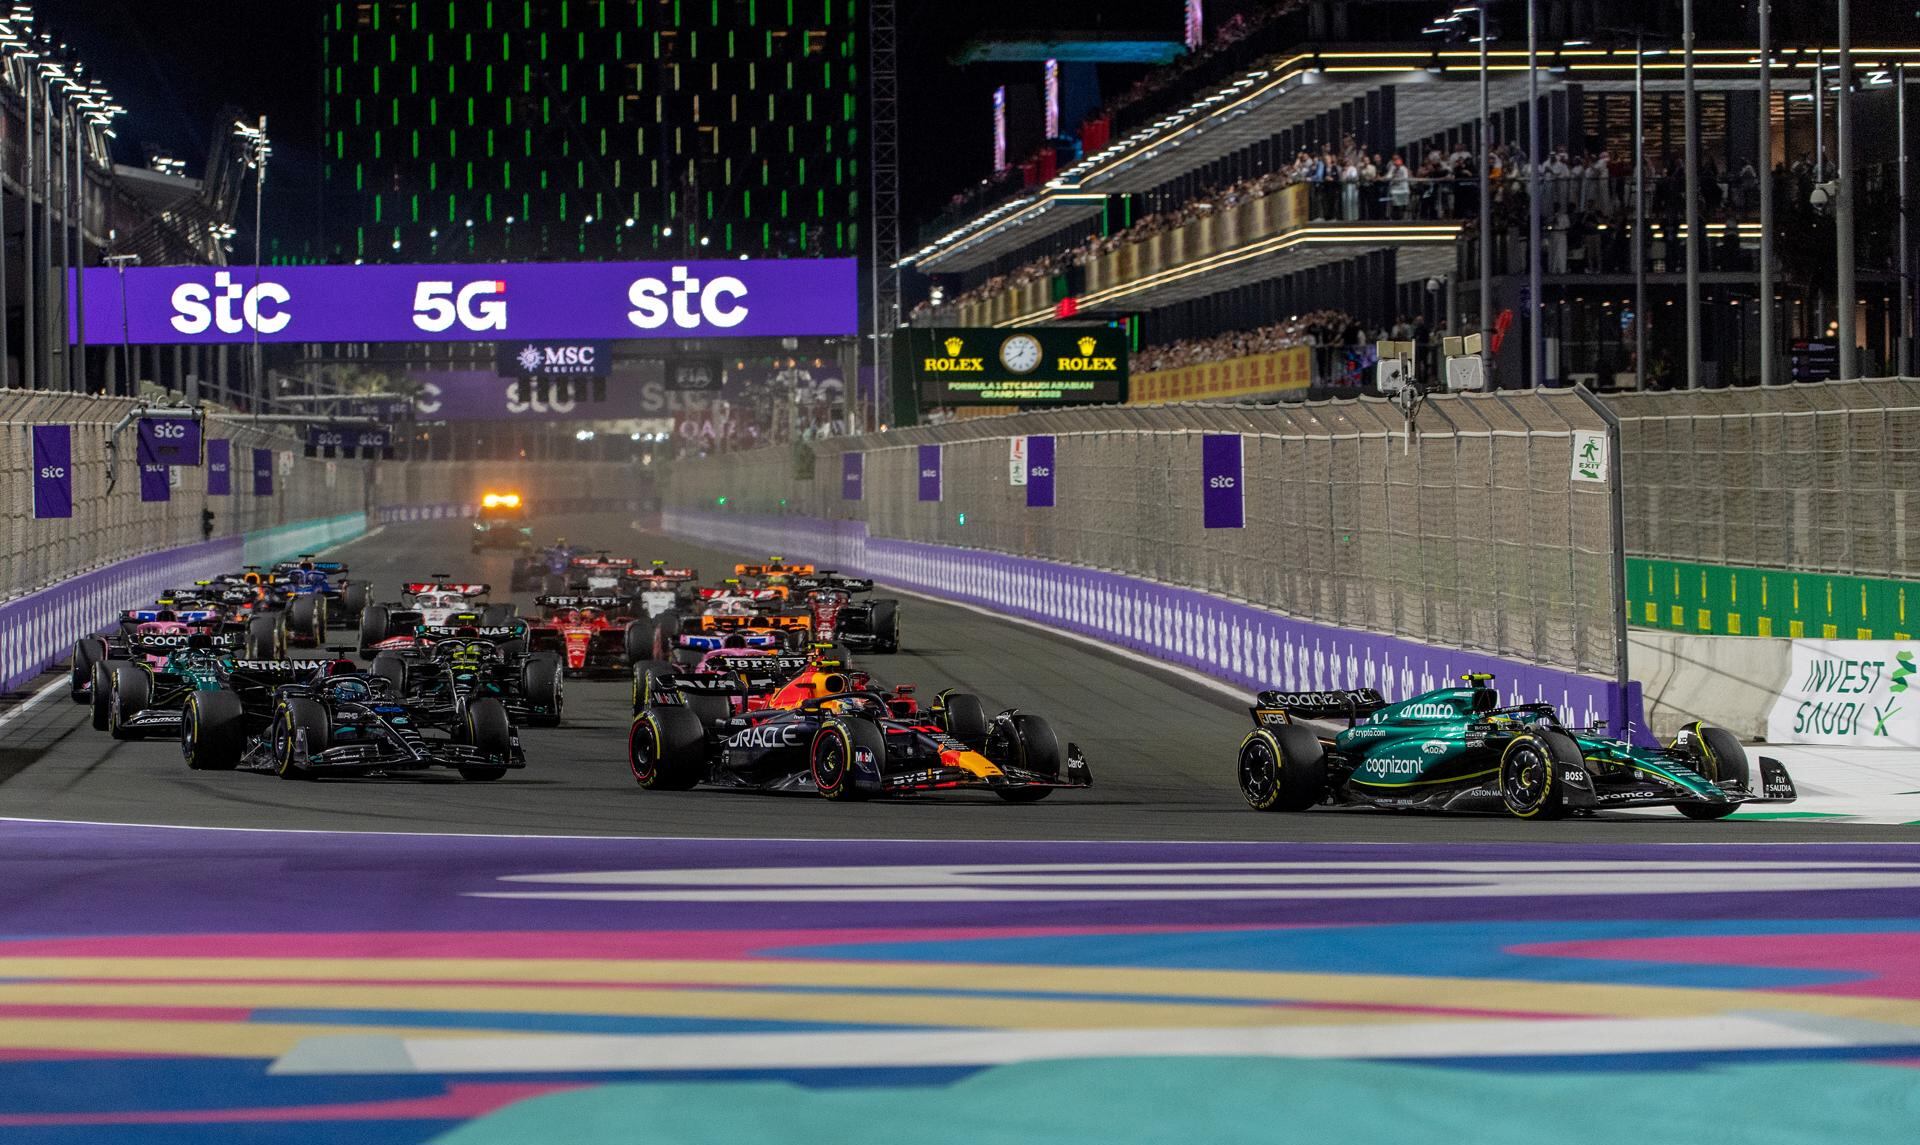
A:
175,64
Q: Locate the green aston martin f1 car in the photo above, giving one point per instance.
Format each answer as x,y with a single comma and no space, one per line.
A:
1459,749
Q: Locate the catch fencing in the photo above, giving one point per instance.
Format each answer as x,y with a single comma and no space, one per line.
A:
1471,534
110,523
1816,478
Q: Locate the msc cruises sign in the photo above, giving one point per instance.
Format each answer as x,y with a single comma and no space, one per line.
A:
526,302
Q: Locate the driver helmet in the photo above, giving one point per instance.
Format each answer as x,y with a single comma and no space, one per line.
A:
349,688
199,642
734,640
560,543
306,566
251,578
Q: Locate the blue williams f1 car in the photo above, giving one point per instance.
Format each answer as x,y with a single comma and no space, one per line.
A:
1460,749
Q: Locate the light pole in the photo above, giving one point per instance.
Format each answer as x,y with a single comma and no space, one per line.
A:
1640,210
12,47
256,148
1483,161
119,262
1692,118
1536,305
1905,258
1846,295
1766,192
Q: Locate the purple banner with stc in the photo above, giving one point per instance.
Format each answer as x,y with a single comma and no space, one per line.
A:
155,482
470,303
634,391
853,471
219,467
263,473
929,473
1222,487
347,437
169,440
52,471
1040,470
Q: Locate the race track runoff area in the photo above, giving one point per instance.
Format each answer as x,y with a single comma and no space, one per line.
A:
562,957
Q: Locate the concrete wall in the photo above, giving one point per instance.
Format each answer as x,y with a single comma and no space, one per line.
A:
1727,680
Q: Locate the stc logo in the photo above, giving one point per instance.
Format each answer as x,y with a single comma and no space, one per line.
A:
687,302
192,313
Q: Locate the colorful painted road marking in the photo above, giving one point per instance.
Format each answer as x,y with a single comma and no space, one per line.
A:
199,985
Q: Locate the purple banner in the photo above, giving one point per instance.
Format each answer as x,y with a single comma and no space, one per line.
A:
468,303
929,473
169,440
1040,470
219,467
263,473
52,471
347,437
853,471
156,483
1222,502
634,391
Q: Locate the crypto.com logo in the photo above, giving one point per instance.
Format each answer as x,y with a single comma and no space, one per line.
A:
195,307
688,303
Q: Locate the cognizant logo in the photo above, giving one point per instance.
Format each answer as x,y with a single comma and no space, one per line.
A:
195,307
688,302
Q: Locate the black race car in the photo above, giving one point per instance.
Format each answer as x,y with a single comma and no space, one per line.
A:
344,722
450,668
861,625
844,745
138,697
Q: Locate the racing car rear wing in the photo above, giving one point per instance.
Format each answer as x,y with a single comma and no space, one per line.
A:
831,579
470,631
578,601
658,570
736,623
1285,707
415,588
776,568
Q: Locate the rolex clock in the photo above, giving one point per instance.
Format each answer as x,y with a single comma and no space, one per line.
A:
1021,353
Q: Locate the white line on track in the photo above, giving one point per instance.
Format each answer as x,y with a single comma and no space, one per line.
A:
20,709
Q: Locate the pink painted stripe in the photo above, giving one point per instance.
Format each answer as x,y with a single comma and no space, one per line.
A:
459,1102
1888,963
130,1013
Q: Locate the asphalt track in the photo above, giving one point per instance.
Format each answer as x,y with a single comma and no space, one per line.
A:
1161,746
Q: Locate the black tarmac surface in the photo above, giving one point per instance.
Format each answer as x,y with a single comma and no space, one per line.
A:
1161,746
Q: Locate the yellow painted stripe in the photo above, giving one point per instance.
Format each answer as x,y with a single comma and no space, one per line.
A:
198,1039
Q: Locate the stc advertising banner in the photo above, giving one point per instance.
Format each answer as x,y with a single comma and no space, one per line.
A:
169,440
156,482
505,302
853,470
219,467
1858,693
52,471
1222,506
263,473
929,473
1040,471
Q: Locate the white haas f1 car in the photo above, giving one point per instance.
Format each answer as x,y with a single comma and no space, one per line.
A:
862,626
438,603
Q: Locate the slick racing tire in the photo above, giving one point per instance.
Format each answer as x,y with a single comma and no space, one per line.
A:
1282,768
640,673
489,730
540,684
666,634
835,747
1034,747
213,731
1530,774
392,669
129,695
102,695
494,615
963,718
1718,755
298,714
373,628
307,618
353,602
667,749
267,637
885,626
637,641
87,651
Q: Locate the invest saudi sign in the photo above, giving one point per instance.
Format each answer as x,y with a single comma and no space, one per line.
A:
1049,366
471,302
